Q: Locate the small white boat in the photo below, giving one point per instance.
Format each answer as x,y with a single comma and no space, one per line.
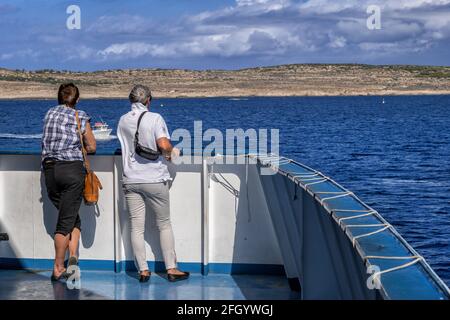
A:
101,131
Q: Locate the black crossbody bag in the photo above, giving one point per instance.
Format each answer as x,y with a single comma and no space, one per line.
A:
142,151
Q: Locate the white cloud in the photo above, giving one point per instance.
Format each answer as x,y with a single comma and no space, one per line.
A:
6,56
121,24
266,5
79,52
21,54
414,4
272,28
338,42
129,49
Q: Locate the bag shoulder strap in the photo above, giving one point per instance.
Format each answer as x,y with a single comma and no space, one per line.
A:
136,136
83,149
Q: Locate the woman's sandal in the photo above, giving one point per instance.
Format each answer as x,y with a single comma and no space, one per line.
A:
73,261
144,278
62,276
177,277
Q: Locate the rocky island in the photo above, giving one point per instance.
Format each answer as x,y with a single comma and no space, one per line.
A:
284,80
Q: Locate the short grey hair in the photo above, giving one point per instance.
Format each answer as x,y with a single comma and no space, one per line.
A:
140,93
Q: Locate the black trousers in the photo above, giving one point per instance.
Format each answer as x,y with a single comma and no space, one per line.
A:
65,185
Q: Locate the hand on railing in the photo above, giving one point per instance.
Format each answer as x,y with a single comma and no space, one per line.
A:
173,155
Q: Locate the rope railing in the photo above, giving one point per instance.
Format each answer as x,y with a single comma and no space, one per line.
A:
365,225
342,195
305,176
311,179
366,258
356,238
368,214
317,182
377,275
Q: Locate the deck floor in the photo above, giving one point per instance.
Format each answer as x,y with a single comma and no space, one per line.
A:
36,285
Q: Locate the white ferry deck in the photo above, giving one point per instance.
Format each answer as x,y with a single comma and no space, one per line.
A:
108,285
294,234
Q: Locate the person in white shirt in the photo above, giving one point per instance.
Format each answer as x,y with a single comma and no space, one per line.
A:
147,181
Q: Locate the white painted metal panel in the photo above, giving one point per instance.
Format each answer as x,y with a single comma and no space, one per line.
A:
16,217
240,228
30,218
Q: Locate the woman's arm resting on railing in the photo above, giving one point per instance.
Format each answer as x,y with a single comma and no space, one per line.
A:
89,139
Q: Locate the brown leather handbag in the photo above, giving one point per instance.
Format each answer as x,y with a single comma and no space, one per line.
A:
92,183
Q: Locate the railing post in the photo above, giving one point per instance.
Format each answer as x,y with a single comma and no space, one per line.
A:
117,234
205,217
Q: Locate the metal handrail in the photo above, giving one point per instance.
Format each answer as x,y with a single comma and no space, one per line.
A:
369,210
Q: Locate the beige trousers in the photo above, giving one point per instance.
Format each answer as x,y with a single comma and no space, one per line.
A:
156,196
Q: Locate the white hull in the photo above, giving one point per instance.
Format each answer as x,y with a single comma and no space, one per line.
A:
102,134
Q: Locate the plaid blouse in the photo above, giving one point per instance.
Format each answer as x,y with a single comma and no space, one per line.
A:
60,139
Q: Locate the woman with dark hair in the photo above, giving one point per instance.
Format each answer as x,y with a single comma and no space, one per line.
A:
62,163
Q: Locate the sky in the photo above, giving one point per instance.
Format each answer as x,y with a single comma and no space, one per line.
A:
221,34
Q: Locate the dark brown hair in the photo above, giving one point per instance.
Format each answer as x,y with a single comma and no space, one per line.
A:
68,94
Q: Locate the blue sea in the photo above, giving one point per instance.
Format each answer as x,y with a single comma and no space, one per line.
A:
395,156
